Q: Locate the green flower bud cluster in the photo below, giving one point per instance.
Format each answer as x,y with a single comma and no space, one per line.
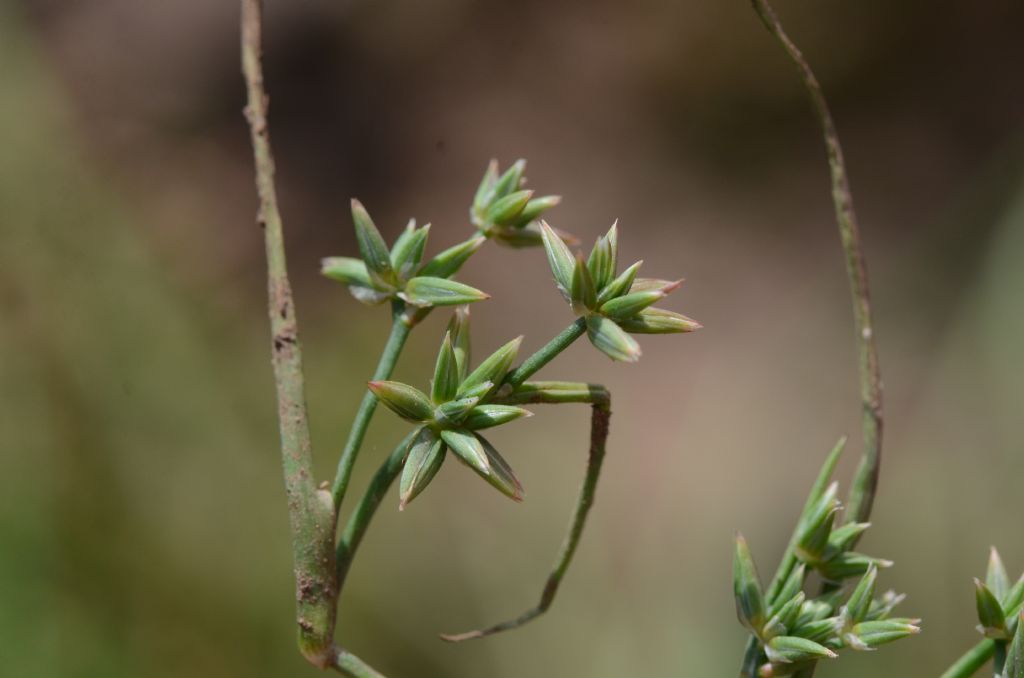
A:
381,274
503,211
458,406
1000,607
613,305
793,630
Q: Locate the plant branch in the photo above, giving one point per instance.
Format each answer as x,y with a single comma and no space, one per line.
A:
972,660
546,353
600,399
360,519
311,511
389,356
865,482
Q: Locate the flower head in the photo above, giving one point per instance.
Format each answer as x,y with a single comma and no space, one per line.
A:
381,274
455,410
614,304
504,211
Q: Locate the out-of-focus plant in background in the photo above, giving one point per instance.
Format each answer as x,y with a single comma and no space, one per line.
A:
130,281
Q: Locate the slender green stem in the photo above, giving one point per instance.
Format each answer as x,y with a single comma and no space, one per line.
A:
360,519
600,399
547,353
348,664
865,482
389,356
311,511
310,525
972,660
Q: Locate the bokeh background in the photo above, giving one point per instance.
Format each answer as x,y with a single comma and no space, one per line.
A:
142,522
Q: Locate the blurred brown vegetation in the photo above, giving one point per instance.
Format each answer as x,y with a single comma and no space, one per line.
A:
142,518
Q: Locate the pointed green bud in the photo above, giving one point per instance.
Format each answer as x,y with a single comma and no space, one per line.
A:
990,613
823,631
746,586
477,391
600,264
505,211
423,461
426,291
535,208
485,192
883,607
458,328
345,270
793,650
452,413
813,540
612,237
510,180
559,258
404,400
659,321
493,369
845,536
446,373
486,416
369,295
821,482
447,263
859,604
612,340
530,235
485,460
629,305
648,284
407,251
517,238
794,584
582,295
372,248
812,611
620,284
785,618
1014,665
996,579
850,564
1014,599
871,634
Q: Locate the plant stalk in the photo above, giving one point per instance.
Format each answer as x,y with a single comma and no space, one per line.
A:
546,353
865,481
971,661
311,511
389,356
360,519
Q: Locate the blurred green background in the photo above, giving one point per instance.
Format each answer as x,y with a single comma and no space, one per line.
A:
143,529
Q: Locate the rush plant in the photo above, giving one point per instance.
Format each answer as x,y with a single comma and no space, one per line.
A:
447,417
823,598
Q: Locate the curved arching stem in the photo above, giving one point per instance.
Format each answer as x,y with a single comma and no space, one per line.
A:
555,393
865,482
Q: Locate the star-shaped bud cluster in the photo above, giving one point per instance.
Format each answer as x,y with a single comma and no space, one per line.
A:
382,274
795,630
614,304
457,408
505,212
